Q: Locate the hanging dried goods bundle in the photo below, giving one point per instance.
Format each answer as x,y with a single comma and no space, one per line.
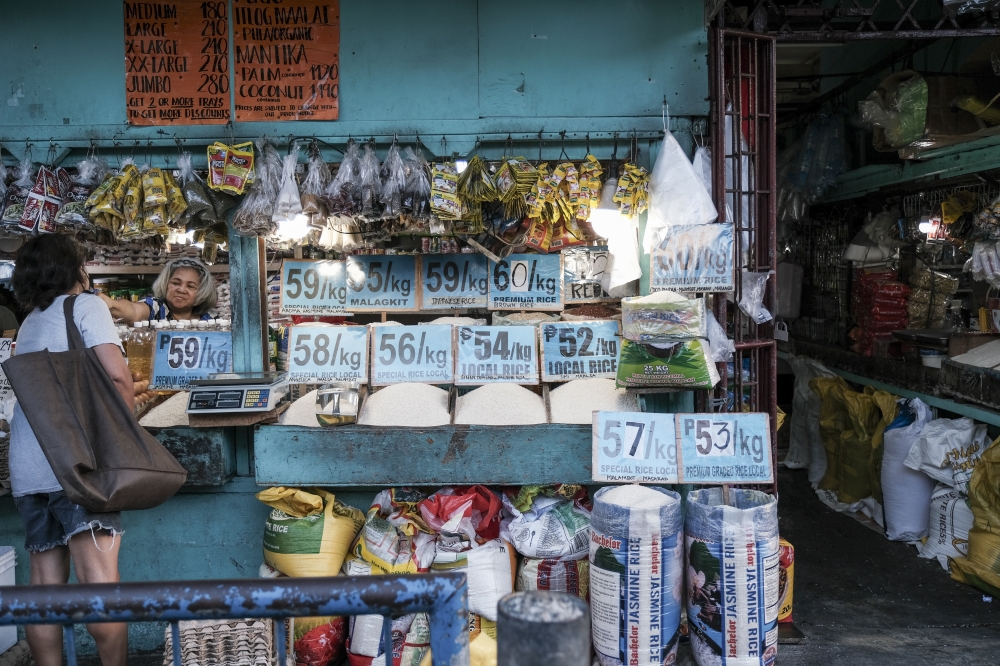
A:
17,193
417,192
393,182
288,204
254,215
369,178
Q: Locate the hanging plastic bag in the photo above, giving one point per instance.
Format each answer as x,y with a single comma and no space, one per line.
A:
288,204
417,192
702,164
370,185
722,347
17,193
254,215
663,316
754,286
3,181
677,194
74,209
340,193
314,185
393,181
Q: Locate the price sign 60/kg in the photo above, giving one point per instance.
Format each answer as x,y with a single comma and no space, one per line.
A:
491,354
318,353
412,354
579,350
527,282
454,281
179,358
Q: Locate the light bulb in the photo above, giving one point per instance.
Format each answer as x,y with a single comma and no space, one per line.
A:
925,227
295,228
460,165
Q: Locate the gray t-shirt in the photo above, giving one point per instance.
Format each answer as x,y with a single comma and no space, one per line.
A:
46,329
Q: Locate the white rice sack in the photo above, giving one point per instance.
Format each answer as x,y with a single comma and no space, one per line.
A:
170,414
950,520
553,528
905,492
947,442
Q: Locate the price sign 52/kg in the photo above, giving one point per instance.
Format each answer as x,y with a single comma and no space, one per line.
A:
412,354
318,353
491,354
179,358
579,350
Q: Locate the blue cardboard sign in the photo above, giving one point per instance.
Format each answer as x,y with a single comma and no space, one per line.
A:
694,257
320,353
708,449
454,281
496,354
313,287
579,350
381,282
527,282
181,356
421,354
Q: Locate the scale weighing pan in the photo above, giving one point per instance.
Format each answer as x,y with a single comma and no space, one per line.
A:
234,392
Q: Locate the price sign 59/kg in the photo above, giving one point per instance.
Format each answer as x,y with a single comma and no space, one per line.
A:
579,350
454,281
494,354
420,354
180,358
313,287
318,353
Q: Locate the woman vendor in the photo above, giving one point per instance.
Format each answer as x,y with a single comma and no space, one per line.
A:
184,289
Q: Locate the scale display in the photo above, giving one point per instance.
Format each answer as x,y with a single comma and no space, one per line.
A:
237,392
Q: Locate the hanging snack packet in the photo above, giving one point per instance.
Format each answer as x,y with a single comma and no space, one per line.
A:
590,187
17,193
313,185
370,184
340,192
114,202
444,191
175,200
393,182
42,204
475,184
238,168
217,153
154,188
74,209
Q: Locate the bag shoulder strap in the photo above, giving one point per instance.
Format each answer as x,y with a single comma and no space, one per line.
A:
72,332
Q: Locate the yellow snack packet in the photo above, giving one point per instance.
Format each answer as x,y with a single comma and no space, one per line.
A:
176,205
154,188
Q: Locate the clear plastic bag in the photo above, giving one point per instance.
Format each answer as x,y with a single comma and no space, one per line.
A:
3,180
254,215
722,347
370,184
417,193
340,193
702,164
899,107
288,204
74,209
677,194
754,286
393,182
314,185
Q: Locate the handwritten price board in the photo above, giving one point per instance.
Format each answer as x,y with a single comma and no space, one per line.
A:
179,358
527,282
695,257
454,281
421,354
496,354
579,350
583,269
379,283
711,449
313,287
318,353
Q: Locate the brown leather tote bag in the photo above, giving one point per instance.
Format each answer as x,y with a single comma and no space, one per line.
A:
102,457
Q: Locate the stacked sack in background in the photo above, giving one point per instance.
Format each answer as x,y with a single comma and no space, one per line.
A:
878,304
930,297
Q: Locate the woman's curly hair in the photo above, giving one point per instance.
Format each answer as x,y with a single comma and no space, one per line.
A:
47,267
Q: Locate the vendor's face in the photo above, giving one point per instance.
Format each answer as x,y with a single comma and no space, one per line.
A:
182,289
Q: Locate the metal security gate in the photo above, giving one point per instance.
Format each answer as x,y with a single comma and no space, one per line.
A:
743,122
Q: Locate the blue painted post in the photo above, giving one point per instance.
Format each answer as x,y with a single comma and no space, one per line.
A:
247,278
450,627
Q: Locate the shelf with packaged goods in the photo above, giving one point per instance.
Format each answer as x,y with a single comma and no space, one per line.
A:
216,269
953,161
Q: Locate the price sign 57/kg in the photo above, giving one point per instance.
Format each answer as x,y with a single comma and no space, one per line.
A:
579,350
180,358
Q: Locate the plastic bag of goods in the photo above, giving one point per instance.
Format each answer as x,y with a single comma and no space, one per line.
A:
490,569
411,639
733,576
806,446
572,576
395,538
663,315
949,522
636,575
547,522
981,567
681,364
905,492
948,451
308,531
786,580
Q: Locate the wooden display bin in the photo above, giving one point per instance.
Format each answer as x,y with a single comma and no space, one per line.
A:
208,454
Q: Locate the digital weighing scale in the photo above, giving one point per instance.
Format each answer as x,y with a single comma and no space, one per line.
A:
237,392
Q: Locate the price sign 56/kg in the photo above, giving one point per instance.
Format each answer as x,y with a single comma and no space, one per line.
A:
179,358
420,354
319,354
579,350
492,354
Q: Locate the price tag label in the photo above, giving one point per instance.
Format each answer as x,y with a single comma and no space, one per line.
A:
713,449
527,282
634,447
381,282
313,287
579,350
725,448
454,281
493,354
318,354
181,357
6,345
420,354
583,269
694,257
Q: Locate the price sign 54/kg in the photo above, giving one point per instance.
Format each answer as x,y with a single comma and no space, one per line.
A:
420,354
319,354
180,358
579,350
492,354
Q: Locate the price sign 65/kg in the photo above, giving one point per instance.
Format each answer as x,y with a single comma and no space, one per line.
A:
179,358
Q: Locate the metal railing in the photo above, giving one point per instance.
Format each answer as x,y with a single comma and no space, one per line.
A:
443,596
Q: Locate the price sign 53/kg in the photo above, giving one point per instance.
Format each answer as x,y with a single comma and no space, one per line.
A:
420,354
454,281
318,353
492,354
579,350
178,358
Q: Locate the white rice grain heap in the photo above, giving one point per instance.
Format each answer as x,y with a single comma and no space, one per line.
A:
575,401
406,405
302,412
171,413
635,496
983,356
500,404
456,321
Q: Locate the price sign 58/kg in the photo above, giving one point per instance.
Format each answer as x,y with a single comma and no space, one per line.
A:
492,354
420,354
179,358
579,350
319,354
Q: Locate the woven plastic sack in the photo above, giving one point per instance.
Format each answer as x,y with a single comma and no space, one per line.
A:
906,493
395,539
571,576
663,316
805,444
636,554
948,450
410,640
552,528
949,522
981,567
489,567
888,407
682,364
677,194
847,423
733,577
308,531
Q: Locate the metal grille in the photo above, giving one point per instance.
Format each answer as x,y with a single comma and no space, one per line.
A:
743,149
818,246
849,20
915,204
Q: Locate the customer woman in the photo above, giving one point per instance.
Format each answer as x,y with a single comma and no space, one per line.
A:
184,289
50,268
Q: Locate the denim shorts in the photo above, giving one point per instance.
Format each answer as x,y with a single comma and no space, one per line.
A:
50,519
